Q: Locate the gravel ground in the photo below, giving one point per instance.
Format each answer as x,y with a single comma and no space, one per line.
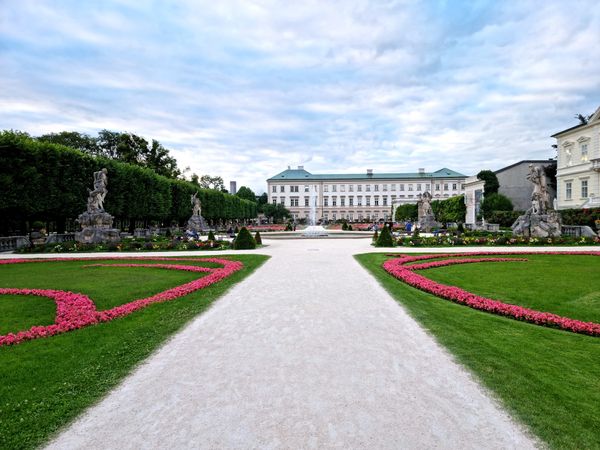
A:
308,352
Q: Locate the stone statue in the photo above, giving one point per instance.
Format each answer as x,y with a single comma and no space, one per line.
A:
539,197
96,197
196,205
425,212
96,224
539,220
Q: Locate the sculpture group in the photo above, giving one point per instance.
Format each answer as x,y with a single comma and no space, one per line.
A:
539,220
196,223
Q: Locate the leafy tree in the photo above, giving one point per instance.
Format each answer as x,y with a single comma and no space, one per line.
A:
72,139
215,183
406,212
452,209
263,199
495,202
277,212
246,193
491,185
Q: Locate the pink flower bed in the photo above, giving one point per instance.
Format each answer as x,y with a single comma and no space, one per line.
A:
398,268
74,311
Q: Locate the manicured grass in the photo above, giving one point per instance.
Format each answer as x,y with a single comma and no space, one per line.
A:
549,379
45,383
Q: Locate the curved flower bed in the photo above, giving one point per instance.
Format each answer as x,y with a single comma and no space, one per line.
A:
398,268
74,311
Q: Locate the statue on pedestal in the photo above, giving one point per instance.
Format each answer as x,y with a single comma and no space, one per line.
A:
96,224
539,220
196,223
426,220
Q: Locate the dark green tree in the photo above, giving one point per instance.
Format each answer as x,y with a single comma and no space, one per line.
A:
244,240
495,202
214,183
246,193
277,212
385,238
491,185
406,212
257,238
73,139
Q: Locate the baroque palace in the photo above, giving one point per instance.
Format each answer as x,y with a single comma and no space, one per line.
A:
358,197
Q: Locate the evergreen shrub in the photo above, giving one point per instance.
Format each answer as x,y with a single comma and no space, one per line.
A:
244,240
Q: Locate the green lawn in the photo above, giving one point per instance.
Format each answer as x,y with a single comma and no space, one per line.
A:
45,383
549,379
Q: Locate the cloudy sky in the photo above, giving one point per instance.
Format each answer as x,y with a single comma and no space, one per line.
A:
243,89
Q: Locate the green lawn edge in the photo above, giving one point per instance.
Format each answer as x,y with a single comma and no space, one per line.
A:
547,379
45,384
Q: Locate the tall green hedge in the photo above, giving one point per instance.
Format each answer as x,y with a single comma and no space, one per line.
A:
49,182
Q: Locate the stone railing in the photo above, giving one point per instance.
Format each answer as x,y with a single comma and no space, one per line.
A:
577,231
11,243
56,238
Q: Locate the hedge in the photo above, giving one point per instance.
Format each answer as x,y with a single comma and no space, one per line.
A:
49,182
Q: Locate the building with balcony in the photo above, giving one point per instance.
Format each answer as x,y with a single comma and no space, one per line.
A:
369,196
578,165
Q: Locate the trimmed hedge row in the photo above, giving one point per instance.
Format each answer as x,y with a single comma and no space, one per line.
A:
49,182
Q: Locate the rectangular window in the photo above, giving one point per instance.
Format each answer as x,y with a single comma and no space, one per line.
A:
376,188
368,188
325,188
325,201
376,201
393,187
385,202
359,201
295,188
342,201
568,190
584,188
359,188
306,188
445,186
410,187
351,201
333,201
584,152
454,186
274,189
343,188
418,187
427,187
368,200
274,200
306,201
282,200
294,201
385,187
437,187
401,187
334,188
350,188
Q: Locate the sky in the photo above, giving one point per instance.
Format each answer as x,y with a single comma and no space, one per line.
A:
242,89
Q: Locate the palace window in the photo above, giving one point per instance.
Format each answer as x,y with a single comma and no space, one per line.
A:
326,188
427,187
282,188
376,201
445,186
342,201
294,201
359,188
307,201
401,187
306,188
274,200
393,188
385,187
350,188
584,188
385,201
282,200
437,187
368,188
584,151
568,190
376,188
333,201
350,201
410,187
274,189
359,201
343,188
293,188
454,186
334,188
368,201
418,187
325,201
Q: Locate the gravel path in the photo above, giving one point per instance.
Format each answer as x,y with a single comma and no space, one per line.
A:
309,352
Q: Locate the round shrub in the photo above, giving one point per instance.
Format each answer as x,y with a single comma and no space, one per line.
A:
385,238
244,240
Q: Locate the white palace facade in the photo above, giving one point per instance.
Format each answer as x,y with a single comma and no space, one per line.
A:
358,197
578,165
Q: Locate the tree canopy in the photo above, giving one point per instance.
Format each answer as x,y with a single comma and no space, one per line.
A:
246,193
495,202
492,184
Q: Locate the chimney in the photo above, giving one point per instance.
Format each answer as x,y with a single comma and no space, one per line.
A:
421,171
369,172
300,167
232,187
289,167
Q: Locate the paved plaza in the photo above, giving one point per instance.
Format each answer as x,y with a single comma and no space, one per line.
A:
308,352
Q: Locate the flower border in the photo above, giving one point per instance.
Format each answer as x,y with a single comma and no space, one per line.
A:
397,267
75,311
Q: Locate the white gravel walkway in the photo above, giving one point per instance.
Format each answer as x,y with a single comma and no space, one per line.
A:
309,352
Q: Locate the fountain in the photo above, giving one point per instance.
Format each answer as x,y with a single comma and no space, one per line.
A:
313,230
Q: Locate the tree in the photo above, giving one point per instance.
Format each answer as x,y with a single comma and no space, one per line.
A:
73,139
406,212
215,183
264,198
491,181
495,202
246,193
277,212
385,238
244,240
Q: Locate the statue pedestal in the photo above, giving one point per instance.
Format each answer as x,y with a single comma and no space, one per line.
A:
428,223
96,228
197,224
538,225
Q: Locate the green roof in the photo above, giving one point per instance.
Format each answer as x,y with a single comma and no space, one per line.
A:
301,174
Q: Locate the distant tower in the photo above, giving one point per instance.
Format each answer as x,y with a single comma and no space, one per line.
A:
232,187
